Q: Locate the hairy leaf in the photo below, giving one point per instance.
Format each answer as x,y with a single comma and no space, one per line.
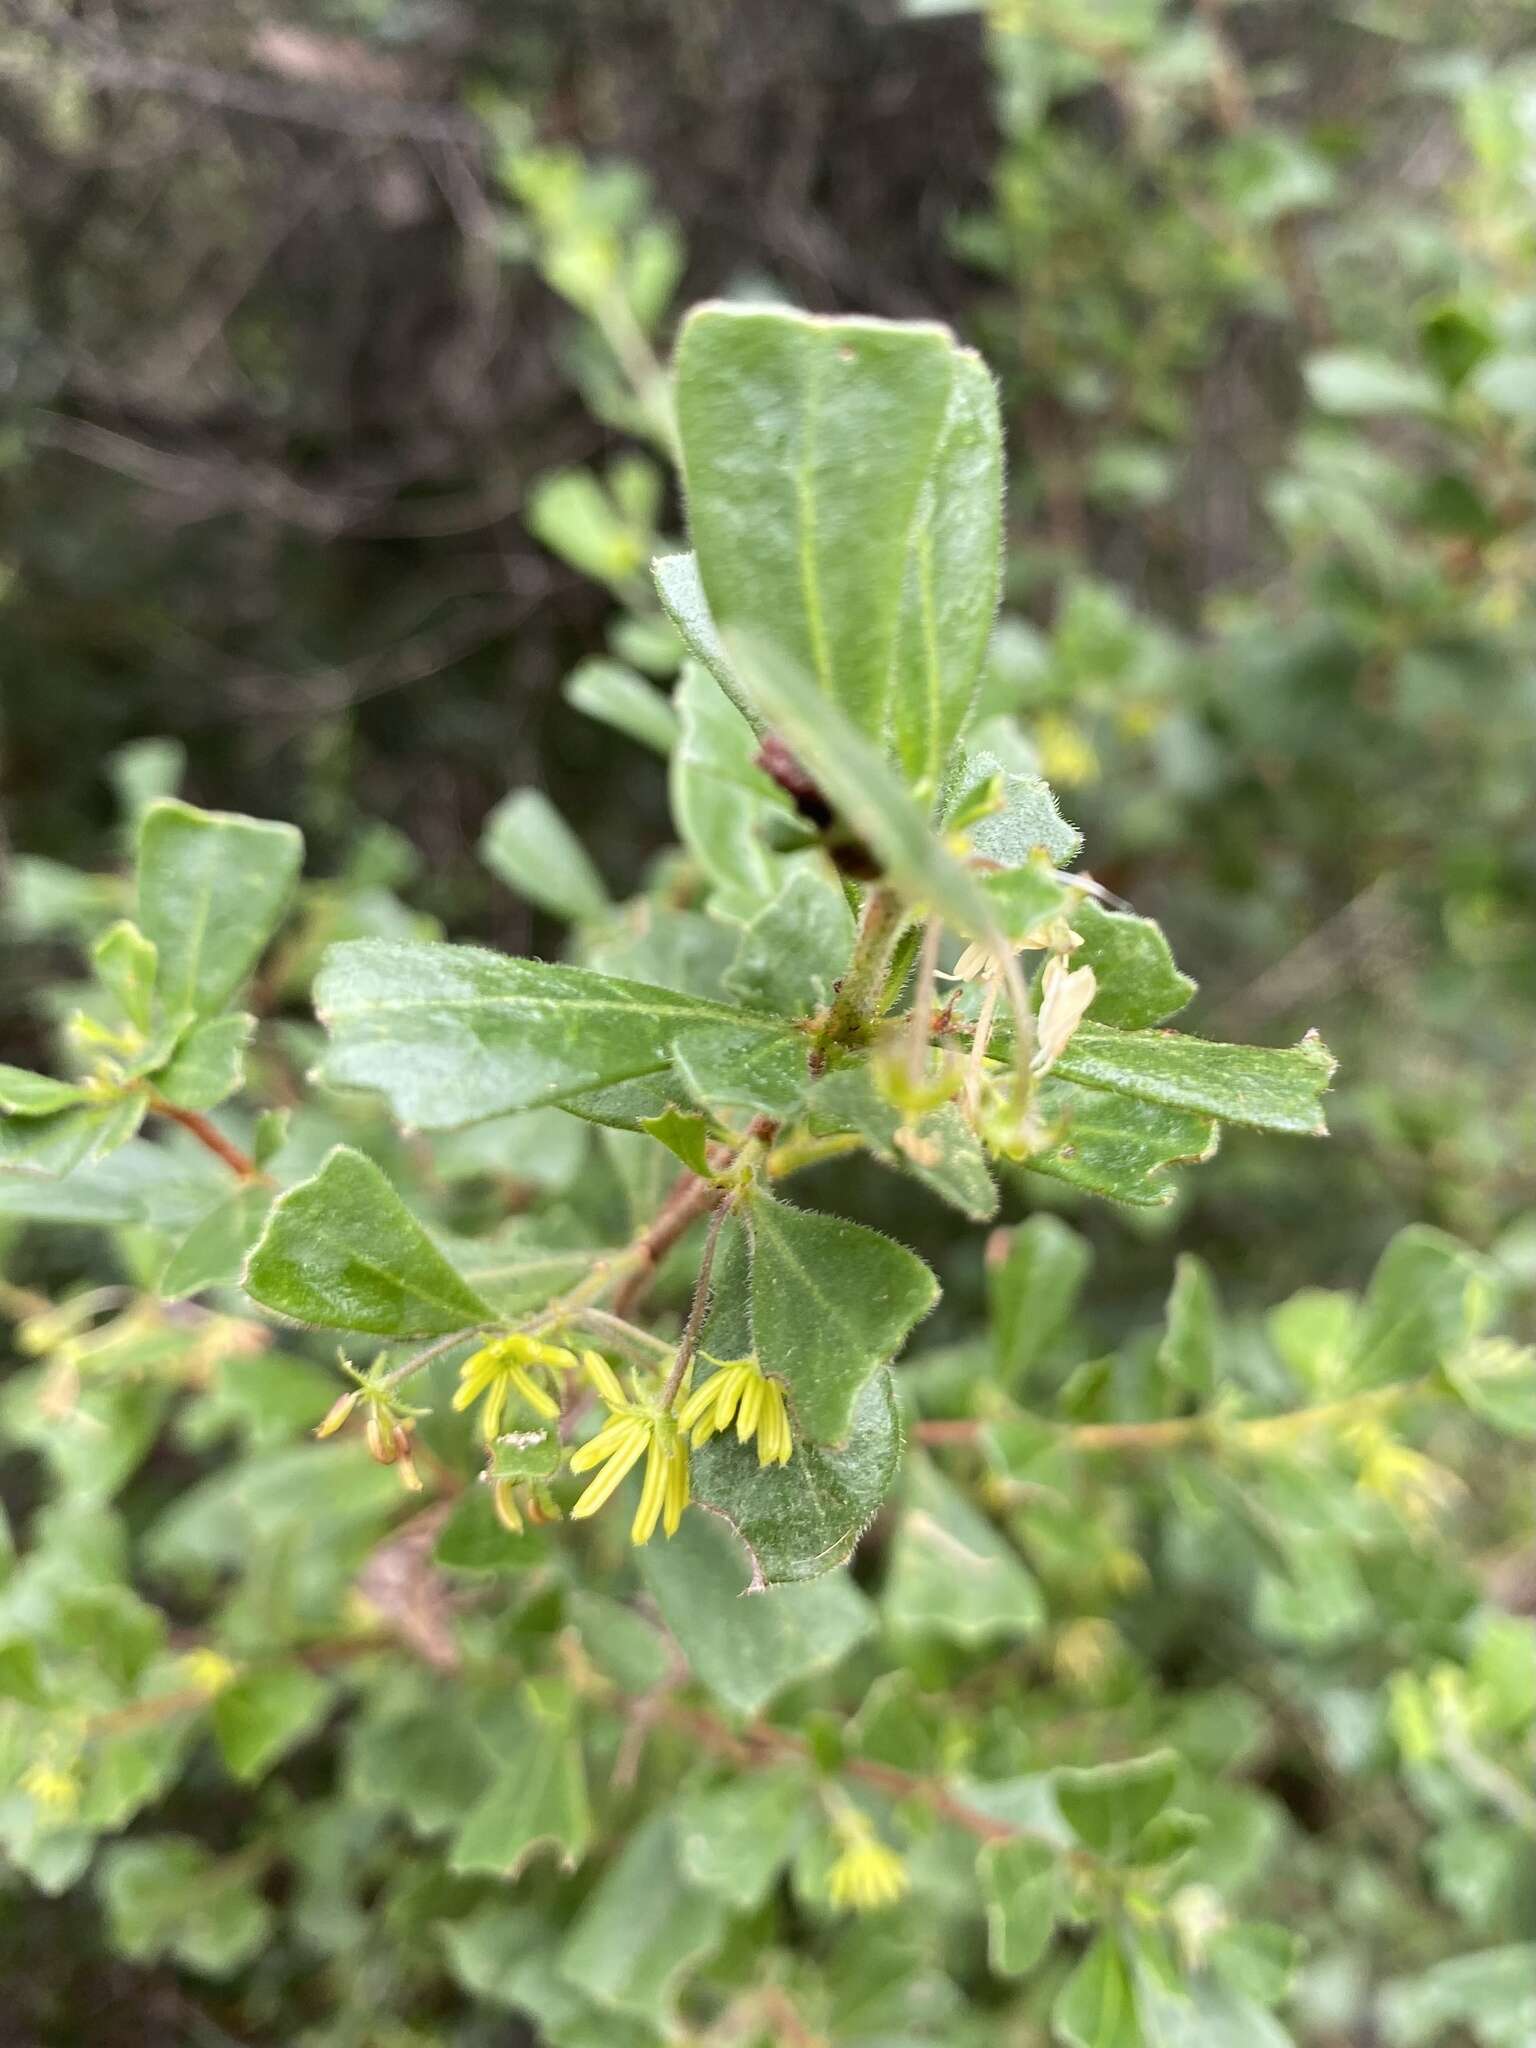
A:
212,887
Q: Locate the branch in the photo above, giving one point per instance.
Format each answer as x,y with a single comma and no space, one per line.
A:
207,1135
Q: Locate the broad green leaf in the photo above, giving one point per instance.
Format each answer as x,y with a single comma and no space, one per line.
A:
1096,2007
806,446
264,1713
125,963
831,1301
1109,1805
1034,1277
1427,1297
1356,381
727,1068
803,1519
342,1251
213,1251
1497,1380
538,1799
474,1539
939,1148
1028,822
747,1651
630,1651
1491,1993
167,1895
25,1094
683,600
795,950
1020,1885
722,802
642,1929
453,1034
529,846
1257,1960
684,950
571,513
539,1148
734,1838
951,582
1116,1145
208,1064
1190,1352
1138,984
1507,383
951,1573
212,888
615,695
1023,897
1241,1084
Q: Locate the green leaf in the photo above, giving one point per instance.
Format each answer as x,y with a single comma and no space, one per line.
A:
21,1676
683,600
213,1251
938,1148
1138,984
265,1713
1427,1297
143,770
1507,383
45,1148
685,1135
166,1895
125,963
1241,1084
1497,1380
747,1651
1034,1277
1491,1993
1023,897
734,1838
833,473
1189,1353
342,1251
1256,1960
729,1068
831,1301
208,1064
795,950
528,845
1115,1145
722,802
1108,1806
1021,1889
538,1799
951,1573
571,513
616,696
1096,2007
640,1931
212,889
1027,824
24,1094
453,1034
803,1519
1356,381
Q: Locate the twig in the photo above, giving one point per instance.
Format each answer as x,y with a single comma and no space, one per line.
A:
689,1198
699,1308
206,1134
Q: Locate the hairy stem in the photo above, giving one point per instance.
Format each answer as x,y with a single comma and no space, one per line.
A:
206,1134
699,1309
859,992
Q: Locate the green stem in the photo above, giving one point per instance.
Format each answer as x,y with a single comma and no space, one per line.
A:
693,1329
855,1005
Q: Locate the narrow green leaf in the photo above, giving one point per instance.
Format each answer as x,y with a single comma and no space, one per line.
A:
341,1250
125,963
1190,1351
616,696
951,1573
25,1094
1138,984
265,1713
1096,2007
529,846
1034,1277
803,1519
209,1063
682,597
453,1034
746,1651
831,1301
1241,1084
212,888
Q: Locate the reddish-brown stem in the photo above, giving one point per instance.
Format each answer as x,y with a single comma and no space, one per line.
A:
689,1199
205,1133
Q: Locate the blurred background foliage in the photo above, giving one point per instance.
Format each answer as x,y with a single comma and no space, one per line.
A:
332,443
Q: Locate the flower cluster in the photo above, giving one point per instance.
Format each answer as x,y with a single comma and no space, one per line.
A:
504,1367
868,1874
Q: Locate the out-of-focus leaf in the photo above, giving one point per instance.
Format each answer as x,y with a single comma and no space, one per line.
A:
529,846
212,887
951,1573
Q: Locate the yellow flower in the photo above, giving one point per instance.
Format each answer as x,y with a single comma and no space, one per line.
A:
634,1430
208,1671
502,1367
56,1792
741,1392
868,1875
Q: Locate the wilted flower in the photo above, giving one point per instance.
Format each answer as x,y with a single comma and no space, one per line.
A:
1065,993
739,1392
